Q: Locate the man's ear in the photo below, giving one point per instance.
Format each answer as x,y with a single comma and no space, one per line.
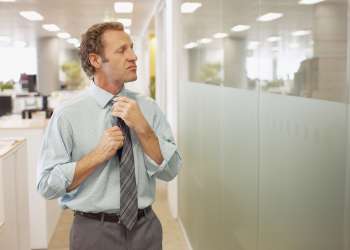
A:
95,60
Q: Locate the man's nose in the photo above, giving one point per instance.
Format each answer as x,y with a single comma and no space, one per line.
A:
132,56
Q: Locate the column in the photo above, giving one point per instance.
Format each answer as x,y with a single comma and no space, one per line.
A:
48,64
330,34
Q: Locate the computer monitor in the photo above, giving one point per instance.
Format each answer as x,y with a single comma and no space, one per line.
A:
5,104
28,82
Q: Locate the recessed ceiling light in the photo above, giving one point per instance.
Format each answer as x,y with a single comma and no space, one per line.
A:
239,28
301,33
269,17
274,39
125,21
63,35
19,44
253,45
220,35
51,27
308,2
123,7
72,40
190,45
31,15
190,7
205,40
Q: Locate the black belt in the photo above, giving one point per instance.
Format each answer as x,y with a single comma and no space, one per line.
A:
111,217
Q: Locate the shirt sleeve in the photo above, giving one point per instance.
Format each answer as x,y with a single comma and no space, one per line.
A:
171,164
55,168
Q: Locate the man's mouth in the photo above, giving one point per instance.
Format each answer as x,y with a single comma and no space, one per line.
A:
132,67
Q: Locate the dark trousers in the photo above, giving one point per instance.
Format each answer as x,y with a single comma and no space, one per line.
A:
91,234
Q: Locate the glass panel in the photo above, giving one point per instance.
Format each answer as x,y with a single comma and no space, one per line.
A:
203,52
304,50
218,129
265,143
302,140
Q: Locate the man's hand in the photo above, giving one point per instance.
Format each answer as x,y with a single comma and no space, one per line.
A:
128,110
111,141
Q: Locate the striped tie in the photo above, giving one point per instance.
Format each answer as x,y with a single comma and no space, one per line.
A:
128,190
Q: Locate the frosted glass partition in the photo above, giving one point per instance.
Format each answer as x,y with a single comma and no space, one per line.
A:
218,184
264,123
302,173
274,183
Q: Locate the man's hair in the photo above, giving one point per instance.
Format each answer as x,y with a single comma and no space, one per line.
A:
91,42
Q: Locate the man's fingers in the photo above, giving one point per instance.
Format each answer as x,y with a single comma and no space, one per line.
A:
117,145
116,134
122,99
120,105
117,139
113,129
120,114
119,108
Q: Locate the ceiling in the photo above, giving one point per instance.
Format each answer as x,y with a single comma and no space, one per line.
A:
75,16
222,15
71,16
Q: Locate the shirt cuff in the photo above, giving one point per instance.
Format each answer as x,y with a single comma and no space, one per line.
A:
67,173
53,184
167,149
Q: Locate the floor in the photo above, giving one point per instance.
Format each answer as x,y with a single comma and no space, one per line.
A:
173,238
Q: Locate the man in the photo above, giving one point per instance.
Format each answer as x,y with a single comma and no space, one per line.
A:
103,151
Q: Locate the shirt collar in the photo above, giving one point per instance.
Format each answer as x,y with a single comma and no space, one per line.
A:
102,96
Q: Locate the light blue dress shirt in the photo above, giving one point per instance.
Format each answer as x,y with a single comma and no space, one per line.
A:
75,129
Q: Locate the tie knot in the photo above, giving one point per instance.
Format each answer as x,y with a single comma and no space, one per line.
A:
113,100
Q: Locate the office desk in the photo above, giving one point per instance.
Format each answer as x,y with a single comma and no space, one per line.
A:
14,208
43,214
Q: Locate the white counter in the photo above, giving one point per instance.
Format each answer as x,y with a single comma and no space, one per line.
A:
43,214
14,228
15,122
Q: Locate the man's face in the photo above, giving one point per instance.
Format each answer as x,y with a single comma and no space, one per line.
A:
119,61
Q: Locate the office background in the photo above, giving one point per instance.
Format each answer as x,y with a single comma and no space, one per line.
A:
256,92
